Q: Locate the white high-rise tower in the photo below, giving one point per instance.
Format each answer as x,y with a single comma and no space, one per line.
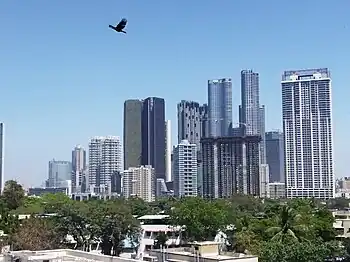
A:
105,158
308,133
168,171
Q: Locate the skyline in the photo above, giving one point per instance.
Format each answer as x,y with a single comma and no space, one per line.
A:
64,78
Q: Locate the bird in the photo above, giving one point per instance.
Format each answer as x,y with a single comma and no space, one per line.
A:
120,26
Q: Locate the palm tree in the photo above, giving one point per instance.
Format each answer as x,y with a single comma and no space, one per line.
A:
244,240
289,226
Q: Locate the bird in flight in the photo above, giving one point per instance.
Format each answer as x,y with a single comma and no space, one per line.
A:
119,27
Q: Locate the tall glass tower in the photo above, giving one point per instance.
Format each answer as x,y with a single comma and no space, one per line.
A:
153,135
132,133
220,107
252,114
308,133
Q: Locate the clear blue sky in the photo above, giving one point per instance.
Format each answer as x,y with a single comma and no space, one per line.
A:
64,75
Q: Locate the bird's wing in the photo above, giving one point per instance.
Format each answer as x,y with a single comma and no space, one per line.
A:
121,24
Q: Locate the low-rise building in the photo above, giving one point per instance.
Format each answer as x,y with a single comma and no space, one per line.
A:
207,251
67,255
277,190
342,223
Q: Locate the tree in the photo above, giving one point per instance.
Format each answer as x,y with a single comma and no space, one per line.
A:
37,234
201,219
246,204
30,205
75,219
53,202
13,194
164,204
138,206
115,223
321,222
291,251
9,223
288,226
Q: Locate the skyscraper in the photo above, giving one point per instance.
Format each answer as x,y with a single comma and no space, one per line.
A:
220,107
132,133
192,122
250,105
153,135
2,142
275,155
261,125
78,166
308,133
185,169
168,147
251,113
230,166
105,159
59,173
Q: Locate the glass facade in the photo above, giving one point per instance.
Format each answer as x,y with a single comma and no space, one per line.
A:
220,107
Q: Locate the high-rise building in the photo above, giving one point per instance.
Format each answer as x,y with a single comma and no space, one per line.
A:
185,169
220,107
191,122
2,145
132,133
308,133
275,155
230,165
264,180
105,159
168,147
153,135
262,134
59,173
78,166
251,114
116,183
139,182
250,104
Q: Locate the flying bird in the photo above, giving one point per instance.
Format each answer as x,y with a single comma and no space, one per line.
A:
119,27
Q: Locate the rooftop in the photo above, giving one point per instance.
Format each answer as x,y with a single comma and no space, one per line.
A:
153,217
61,255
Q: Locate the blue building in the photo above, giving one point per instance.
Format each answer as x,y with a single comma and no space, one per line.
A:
275,155
220,107
59,173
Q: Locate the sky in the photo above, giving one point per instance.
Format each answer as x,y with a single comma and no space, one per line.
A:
64,75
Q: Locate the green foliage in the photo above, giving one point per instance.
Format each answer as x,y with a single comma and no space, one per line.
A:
291,251
139,207
53,202
115,224
200,218
75,218
13,194
30,205
287,230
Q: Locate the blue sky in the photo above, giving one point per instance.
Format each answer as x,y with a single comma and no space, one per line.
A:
64,75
